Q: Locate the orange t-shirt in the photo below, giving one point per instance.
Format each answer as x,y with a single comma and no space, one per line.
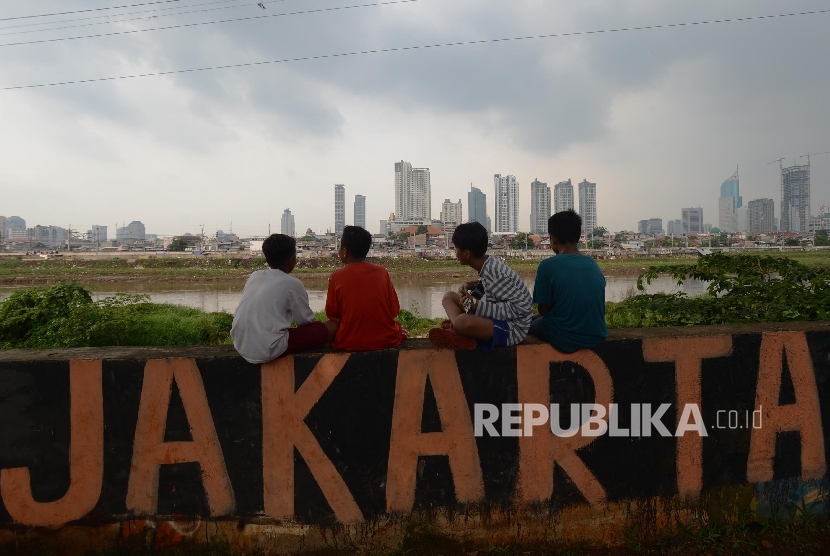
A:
363,300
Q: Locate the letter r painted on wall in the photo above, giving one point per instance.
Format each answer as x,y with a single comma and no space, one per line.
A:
538,453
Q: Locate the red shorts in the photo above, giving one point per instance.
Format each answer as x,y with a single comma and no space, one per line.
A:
306,337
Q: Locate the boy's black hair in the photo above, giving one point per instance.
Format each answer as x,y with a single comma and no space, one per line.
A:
357,241
565,226
278,249
472,236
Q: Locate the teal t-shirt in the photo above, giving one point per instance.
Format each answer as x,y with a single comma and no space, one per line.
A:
574,288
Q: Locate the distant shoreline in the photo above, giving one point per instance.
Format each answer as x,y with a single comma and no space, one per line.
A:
142,268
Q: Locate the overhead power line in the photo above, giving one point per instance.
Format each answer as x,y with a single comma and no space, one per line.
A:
203,23
108,18
420,47
89,10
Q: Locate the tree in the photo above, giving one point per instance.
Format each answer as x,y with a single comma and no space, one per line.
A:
403,236
595,244
178,244
518,241
599,231
821,238
792,242
422,229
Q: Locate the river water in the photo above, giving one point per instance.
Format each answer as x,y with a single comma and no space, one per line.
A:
421,295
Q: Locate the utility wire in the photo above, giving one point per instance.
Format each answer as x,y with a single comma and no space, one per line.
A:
420,47
200,24
109,19
89,10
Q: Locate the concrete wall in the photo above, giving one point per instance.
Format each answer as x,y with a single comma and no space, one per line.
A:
100,446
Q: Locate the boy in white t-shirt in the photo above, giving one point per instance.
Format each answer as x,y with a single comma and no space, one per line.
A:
271,298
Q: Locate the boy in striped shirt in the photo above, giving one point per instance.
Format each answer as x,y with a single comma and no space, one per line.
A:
501,317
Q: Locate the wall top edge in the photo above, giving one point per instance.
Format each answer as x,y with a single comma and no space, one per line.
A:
210,352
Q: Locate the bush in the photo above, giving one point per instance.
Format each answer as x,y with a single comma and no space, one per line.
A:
742,288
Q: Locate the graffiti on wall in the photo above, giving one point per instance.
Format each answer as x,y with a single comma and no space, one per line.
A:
349,436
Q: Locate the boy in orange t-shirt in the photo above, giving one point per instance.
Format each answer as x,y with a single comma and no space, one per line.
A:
362,299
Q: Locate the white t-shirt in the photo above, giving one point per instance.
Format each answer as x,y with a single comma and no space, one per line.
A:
269,301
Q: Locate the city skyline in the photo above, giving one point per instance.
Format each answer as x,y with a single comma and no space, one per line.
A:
795,186
657,117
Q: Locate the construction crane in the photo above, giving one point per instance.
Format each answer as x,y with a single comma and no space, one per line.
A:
808,155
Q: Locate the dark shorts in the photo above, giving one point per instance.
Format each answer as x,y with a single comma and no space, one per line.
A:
501,334
306,337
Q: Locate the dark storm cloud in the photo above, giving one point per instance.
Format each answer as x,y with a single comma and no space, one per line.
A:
543,95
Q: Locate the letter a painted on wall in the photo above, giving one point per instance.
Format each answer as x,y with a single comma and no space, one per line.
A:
539,452
283,429
407,442
803,416
150,451
86,458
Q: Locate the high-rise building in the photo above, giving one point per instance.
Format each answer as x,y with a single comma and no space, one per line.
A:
287,223
49,235
413,192
728,204
588,206
97,234
360,211
670,227
507,203
563,196
692,220
761,216
134,231
795,199
655,226
452,212
539,207
421,194
384,228
642,227
339,208
403,187
14,227
477,207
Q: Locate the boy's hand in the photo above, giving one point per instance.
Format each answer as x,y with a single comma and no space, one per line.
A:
464,289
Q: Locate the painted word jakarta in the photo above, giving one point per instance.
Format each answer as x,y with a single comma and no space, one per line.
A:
592,419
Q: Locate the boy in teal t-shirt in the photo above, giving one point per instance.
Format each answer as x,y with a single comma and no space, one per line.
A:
570,291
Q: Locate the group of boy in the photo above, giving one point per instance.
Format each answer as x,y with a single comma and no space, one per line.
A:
362,304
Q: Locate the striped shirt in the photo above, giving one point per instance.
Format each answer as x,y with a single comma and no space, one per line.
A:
505,298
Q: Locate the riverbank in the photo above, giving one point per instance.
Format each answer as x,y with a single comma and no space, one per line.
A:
152,268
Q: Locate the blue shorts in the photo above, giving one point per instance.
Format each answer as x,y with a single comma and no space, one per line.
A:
501,334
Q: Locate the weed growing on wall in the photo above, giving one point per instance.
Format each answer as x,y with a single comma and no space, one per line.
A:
742,288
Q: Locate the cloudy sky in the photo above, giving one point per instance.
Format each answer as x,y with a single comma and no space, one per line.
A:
657,118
